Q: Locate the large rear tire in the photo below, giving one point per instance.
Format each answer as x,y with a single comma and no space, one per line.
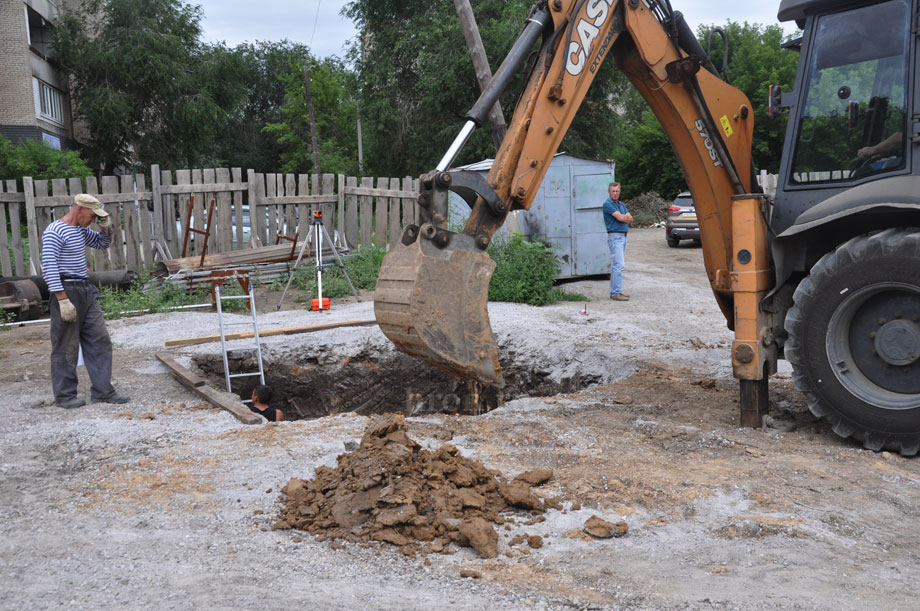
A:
673,242
854,339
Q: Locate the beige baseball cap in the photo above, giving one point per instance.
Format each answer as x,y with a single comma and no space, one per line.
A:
88,201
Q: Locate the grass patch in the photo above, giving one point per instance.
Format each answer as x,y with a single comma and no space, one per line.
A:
122,303
362,266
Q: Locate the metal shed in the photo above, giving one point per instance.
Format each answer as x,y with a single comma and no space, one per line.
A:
566,213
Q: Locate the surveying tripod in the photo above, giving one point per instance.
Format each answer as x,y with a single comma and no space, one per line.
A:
318,230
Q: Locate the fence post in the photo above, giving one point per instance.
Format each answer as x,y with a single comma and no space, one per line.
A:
32,219
340,219
159,215
256,216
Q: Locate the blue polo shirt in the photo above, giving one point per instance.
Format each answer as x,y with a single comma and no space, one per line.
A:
612,224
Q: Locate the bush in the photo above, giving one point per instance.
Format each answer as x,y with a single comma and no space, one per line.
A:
648,209
525,272
40,161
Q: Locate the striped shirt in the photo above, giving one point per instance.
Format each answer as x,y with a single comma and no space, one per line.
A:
64,251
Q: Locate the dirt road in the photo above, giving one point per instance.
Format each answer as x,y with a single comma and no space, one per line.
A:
168,503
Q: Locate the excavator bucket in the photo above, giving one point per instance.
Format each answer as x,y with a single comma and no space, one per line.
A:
432,303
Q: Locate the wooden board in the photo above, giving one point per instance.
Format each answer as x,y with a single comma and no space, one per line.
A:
188,341
200,386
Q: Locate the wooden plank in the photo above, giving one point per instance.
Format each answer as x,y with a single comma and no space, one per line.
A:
12,197
170,214
19,257
352,237
366,213
381,212
42,214
257,210
368,190
56,201
279,210
253,209
158,229
6,267
190,341
394,224
303,210
340,208
224,213
328,188
301,199
99,260
131,226
117,250
316,190
290,210
200,209
206,187
237,197
183,177
32,220
271,214
408,205
147,248
200,386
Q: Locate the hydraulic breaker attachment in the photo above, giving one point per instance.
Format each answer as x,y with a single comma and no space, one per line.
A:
431,302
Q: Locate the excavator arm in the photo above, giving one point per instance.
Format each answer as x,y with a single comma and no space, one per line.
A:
432,290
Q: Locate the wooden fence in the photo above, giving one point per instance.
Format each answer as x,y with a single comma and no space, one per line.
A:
12,257
152,223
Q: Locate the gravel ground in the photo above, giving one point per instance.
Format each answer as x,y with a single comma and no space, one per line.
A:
166,502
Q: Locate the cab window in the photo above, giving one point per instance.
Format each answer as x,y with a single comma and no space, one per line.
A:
853,120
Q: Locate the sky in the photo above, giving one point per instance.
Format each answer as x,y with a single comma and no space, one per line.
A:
318,24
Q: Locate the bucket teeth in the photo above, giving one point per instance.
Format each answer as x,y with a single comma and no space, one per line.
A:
433,304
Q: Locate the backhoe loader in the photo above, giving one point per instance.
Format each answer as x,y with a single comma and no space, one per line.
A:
826,274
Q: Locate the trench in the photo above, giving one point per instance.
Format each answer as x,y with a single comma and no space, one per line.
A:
368,383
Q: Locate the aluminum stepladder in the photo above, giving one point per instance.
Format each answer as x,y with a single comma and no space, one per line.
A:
257,347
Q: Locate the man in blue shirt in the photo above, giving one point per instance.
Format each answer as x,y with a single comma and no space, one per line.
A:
76,318
617,219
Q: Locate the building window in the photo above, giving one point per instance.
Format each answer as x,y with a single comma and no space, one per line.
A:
51,140
49,102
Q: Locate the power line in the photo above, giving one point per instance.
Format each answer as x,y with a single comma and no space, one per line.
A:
315,21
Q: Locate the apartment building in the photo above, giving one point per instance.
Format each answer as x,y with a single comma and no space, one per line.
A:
34,100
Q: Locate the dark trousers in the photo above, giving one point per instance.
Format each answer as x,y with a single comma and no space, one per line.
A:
67,337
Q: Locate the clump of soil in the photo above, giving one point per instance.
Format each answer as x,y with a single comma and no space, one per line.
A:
390,489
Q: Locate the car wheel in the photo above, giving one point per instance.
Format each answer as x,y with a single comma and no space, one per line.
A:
673,242
854,339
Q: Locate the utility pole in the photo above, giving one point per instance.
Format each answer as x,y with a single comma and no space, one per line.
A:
481,66
309,100
360,147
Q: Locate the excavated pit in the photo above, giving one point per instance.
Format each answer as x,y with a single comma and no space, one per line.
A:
369,383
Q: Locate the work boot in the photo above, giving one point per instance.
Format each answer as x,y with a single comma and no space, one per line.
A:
71,403
619,297
115,398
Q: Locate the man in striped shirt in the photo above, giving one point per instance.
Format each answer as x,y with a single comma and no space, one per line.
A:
76,318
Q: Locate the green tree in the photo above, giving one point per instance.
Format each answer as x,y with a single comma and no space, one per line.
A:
334,111
646,162
146,87
417,82
242,141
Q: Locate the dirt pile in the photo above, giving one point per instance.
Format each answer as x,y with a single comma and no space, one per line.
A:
391,489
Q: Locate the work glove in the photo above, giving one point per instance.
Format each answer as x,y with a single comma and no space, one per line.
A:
104,221
68,311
